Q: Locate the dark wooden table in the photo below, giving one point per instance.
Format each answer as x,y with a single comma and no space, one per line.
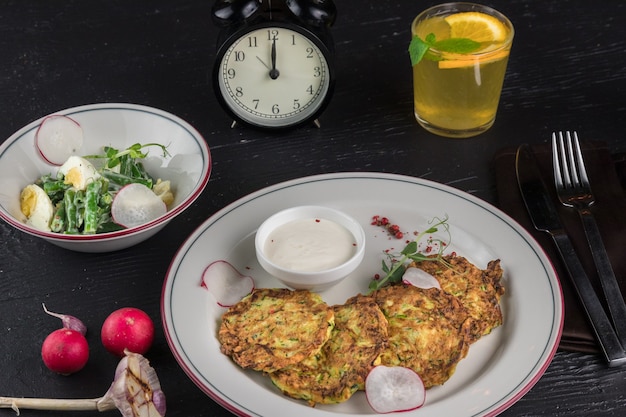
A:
567,71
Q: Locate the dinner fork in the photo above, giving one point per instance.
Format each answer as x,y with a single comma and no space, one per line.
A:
574,190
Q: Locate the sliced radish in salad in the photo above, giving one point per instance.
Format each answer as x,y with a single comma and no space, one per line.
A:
227,285
135,204
58,137
394,388
420,279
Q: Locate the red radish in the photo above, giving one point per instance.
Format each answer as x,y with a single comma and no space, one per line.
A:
58,137
69,322
394,388
135,204
65,351
127,328
227,285
420,279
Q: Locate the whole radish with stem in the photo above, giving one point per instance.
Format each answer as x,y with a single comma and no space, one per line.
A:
65,350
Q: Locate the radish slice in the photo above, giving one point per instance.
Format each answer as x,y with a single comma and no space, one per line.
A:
396,388
227,285
135,204
420,279
58,137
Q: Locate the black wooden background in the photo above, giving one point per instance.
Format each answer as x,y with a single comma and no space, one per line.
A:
567,71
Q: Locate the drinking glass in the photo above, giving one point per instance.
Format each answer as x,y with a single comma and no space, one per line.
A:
456,91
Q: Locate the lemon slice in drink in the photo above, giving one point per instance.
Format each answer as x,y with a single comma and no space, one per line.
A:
479,27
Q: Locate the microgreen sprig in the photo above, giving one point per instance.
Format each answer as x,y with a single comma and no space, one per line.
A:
394,268
133,151
113,156
418,47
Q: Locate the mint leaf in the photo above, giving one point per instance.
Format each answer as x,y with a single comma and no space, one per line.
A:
417,49
457,45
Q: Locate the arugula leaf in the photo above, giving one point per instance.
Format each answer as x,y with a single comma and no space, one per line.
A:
419,47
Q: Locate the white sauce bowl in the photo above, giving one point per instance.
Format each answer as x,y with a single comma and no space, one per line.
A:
309,279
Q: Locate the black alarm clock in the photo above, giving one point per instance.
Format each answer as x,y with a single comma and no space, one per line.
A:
274,67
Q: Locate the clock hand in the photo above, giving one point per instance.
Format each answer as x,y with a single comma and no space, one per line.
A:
274,73
263,62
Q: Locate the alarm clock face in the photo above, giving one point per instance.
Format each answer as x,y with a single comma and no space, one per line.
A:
273,76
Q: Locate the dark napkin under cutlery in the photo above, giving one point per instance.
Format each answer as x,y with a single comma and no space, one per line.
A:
545,218
608,176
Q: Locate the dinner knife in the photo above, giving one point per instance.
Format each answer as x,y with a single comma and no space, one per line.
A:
545,218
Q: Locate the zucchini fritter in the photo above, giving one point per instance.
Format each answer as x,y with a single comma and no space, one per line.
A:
322,354
339,369
271,329
428,331
478,290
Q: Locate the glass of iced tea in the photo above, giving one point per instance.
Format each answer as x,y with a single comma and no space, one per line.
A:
459,53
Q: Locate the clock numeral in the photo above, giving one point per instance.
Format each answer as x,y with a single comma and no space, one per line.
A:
256,102
272,35
239,56
293,39
275,109
296,104
231,73
309,52
252,42
239,92
310,90
317,72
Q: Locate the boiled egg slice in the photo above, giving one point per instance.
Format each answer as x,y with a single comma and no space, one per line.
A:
78,172
37,207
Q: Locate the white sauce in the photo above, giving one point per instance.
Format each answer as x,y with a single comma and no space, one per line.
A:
310,245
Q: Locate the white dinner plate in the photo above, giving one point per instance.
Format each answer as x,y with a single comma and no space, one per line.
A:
498,370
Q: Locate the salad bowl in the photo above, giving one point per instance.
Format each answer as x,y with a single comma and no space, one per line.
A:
186,164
